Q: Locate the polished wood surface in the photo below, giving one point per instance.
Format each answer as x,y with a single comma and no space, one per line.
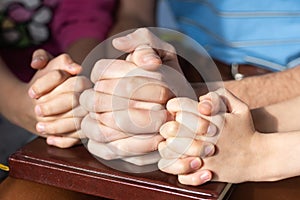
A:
77,170
17,189
49,182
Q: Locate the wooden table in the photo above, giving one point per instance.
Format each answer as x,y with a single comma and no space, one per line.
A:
17,189
47,170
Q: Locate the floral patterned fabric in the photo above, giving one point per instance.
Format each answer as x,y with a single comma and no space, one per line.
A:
26,25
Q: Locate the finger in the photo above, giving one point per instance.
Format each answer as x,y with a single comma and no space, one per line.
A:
136,88
47,83
196,124
77,112
179,166
147,159
62,142
197,178
133,120
65,63
211,104
61,104
132,146
175,129
75,134
40,58
101,150
234,104
98,132
76,84
145,57
112,68
167,153
184,104
136,145
142,37
190,147
59,126
94,101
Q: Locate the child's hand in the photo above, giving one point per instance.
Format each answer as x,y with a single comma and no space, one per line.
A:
57,101
59,113
188,139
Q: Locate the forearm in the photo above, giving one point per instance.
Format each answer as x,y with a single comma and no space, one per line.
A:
81,48
268,89
280,117
134,14
276,156
14,101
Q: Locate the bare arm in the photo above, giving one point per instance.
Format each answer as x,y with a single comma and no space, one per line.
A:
15,104
81,48
268,89
134,14
280,117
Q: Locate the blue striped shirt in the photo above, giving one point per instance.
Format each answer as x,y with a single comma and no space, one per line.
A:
236,31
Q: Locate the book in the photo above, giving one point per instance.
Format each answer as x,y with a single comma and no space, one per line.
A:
77,170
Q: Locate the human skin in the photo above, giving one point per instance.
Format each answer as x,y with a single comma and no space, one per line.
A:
57,108
27,117
256,91
120,126
243,154
19,91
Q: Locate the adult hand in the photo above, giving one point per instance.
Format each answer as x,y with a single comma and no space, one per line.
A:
233,159
127,101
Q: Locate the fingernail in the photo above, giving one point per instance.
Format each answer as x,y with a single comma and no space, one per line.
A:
163,128
40,127
38,110
205,177
32,93
211,130
195,164
50,141
73,68
151,59
208,150
206,104
38,59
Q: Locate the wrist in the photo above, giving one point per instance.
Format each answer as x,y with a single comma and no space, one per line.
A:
262,166
19,109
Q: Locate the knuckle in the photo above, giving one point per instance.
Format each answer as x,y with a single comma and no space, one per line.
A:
65,58
56,75
45,109
170,48
52,129
164,95
121,148
35,87
181,167
173,126
143,31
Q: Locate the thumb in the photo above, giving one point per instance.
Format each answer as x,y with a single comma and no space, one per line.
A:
145,57
40,58
233,104
211,104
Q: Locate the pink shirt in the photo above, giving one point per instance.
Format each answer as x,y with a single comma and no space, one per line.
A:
49,24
